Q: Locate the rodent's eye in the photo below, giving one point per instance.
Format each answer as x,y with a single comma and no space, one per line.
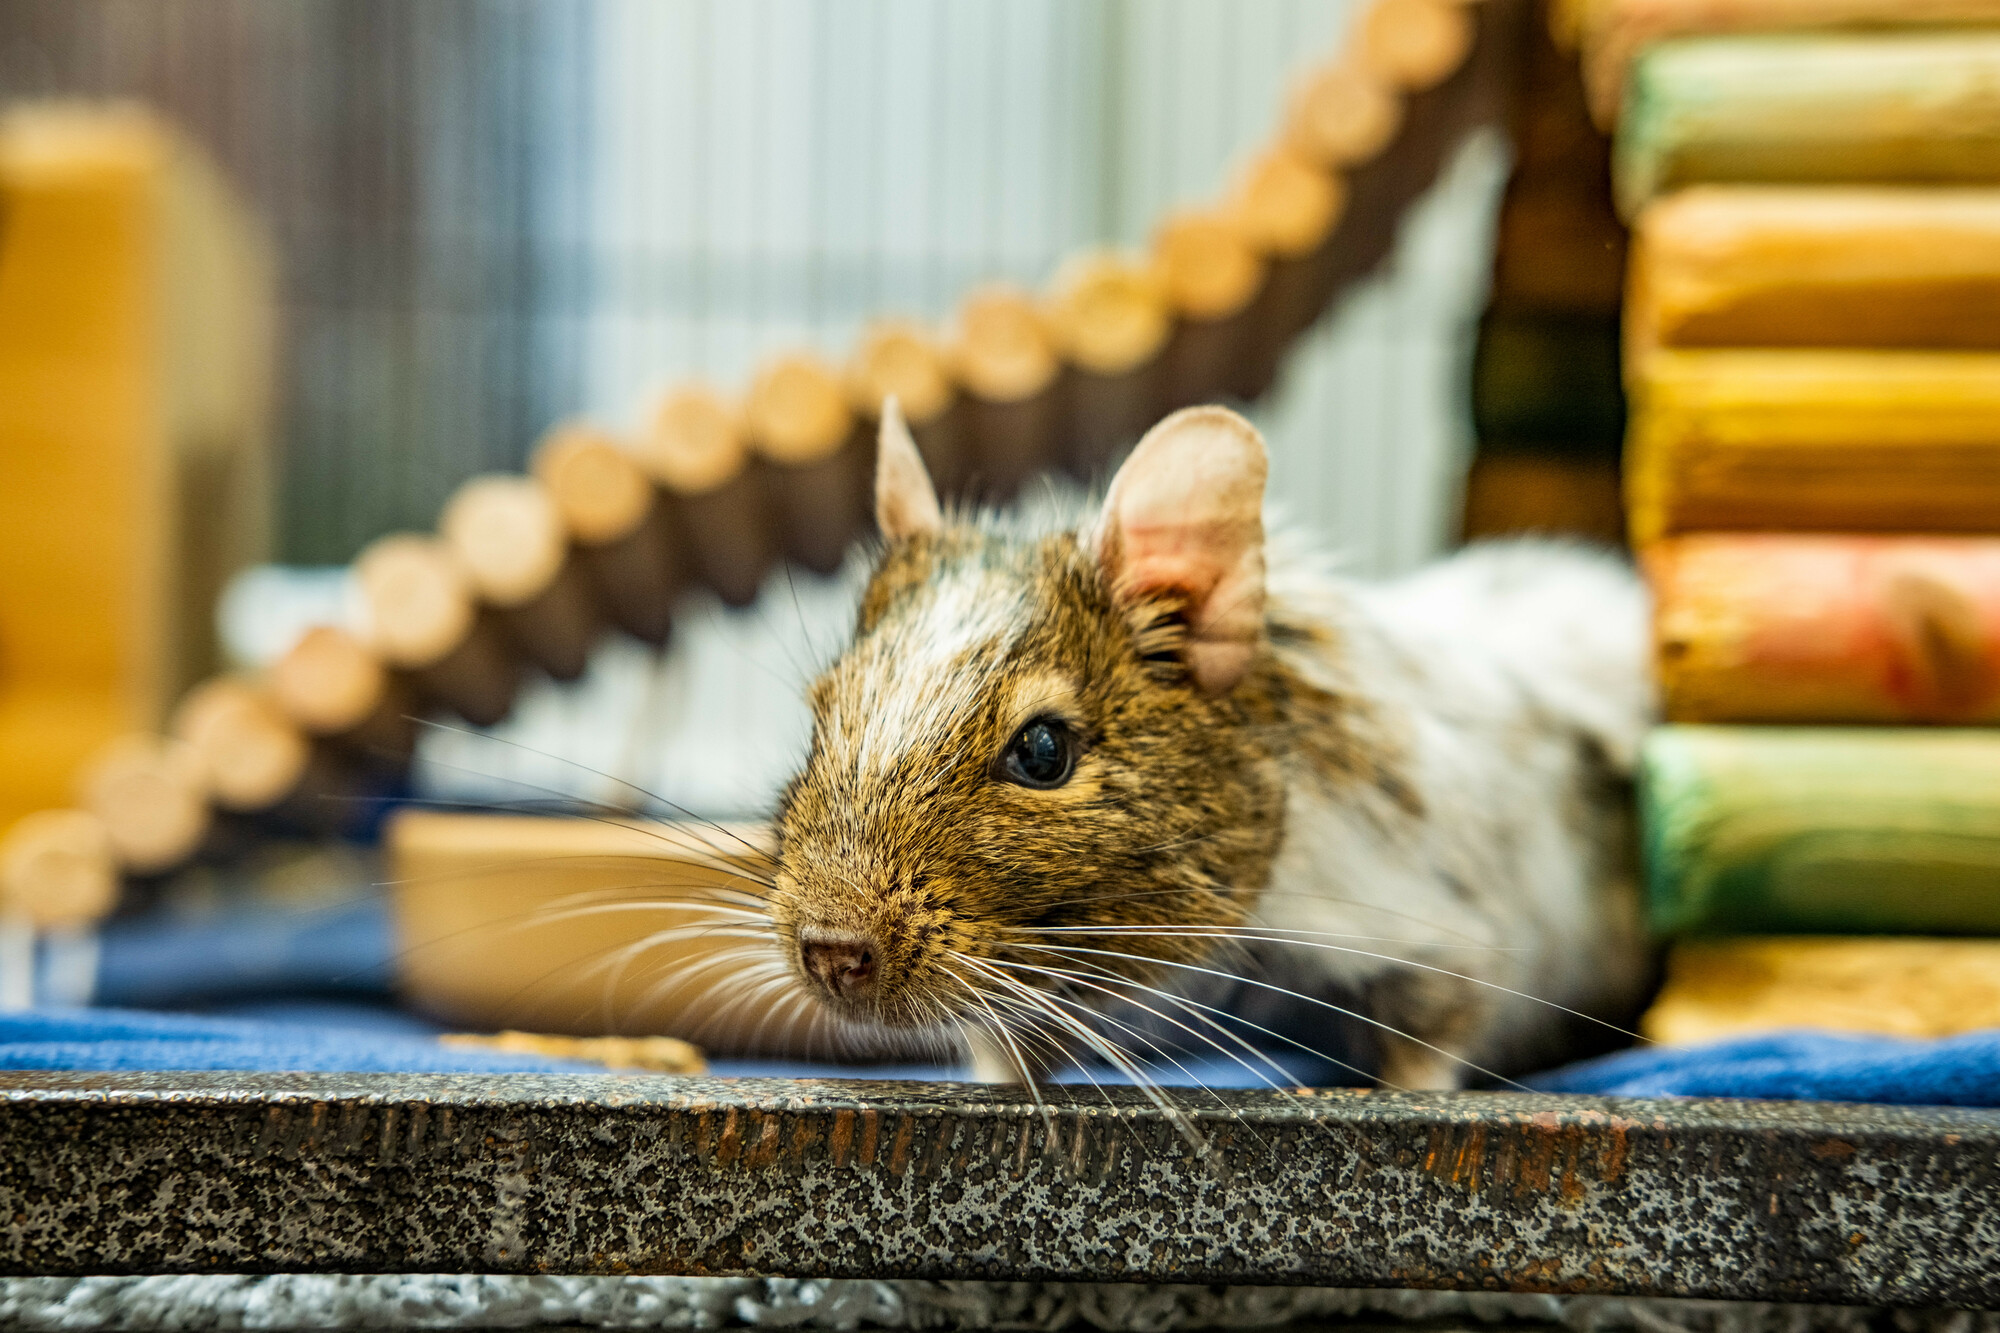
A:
1041,755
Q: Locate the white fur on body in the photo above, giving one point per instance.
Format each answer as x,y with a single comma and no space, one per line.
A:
1519,674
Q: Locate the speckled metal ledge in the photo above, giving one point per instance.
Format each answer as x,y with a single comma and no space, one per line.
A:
575,1174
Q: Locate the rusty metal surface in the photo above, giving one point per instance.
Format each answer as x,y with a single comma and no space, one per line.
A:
131,1173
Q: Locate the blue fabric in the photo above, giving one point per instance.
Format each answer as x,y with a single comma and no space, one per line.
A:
112,1039
169,962
1800,1066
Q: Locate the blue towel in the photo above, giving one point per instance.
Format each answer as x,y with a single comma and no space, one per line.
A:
1800,1066
170,962
113,1039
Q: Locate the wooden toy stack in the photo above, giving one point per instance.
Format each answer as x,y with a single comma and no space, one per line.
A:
1812,358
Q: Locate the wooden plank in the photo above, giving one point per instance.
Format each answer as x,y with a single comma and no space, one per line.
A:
1612,33
582,926
1814,440
1782,830
1761,627
1755,266
1717,989
1888,108
134,350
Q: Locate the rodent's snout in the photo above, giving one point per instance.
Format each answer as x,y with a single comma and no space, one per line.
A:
842,965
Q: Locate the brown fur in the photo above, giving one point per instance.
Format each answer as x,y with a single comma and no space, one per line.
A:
1174,814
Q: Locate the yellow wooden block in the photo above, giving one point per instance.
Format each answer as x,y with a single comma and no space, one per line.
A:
1900,987
1804,266
1813,440
590,927
134,355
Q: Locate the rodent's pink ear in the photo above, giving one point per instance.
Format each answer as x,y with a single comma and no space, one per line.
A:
1185,516
906,504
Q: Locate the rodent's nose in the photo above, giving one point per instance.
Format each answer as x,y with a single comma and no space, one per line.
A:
844,964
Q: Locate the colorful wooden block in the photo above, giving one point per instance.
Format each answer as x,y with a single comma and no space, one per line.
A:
1813,441
134,366
1763,266
1716,989
1839,830
1762,627
1884,107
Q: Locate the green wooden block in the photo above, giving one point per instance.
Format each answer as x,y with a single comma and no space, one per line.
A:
1822,829
1891,107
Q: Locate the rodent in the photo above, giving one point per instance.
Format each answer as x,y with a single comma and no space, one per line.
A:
1159,749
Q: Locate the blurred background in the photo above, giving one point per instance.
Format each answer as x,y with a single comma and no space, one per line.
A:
491,215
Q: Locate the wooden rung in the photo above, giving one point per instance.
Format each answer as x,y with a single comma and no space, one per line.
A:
1883,108
1109,318
509,538
1613,32
1754,266
619,523
493,928
255,756
1287,208
1212,275
895,357
1006,362
424,620
1920,988
152,794
1814,440
337,688
1854,830
798,421
1760,627
1340,115
58,869
1415,44
695,448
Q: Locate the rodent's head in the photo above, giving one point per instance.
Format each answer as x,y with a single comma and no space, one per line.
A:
1034,736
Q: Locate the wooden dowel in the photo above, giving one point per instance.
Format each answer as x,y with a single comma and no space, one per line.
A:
1814,440
254,755
1287,209
620,524
482,943
1511,494
1011,379
817,468
1850,830
337,689
1761,627
898,358
423,620
1434,122
695,449
152,795
509,539
262,765
1559,245
1341,115
1613,32
1878,108
1748,266
1920,988
1414,44
1109,318
1212,275
58,870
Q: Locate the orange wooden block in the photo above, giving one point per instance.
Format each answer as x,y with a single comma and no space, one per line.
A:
1772,628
